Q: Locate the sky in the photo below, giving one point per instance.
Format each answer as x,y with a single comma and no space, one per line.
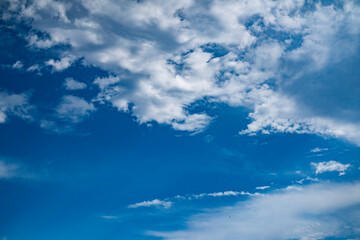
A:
177,120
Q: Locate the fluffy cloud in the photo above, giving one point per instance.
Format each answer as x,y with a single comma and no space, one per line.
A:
279,59
74,109
72,84
331,166
313,212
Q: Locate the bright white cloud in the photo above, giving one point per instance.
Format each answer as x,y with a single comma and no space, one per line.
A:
165,63
313,212
72,84
155,202
331,166
262,187
74,109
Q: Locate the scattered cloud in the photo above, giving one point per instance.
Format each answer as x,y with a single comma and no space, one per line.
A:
314,212
14,104
71,84
74,109
62,64
168,202
331,166
18,65
262,187
261,55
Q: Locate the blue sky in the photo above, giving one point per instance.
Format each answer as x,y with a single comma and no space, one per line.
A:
179,119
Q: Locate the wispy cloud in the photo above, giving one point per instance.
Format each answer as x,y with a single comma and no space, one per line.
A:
168,202
317,150
8,170
74,108
298,216
109,217
262,187
155,202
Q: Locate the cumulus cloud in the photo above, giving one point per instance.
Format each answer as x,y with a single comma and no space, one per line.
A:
155,202
313,212
74,109
71,84
263,55
331,166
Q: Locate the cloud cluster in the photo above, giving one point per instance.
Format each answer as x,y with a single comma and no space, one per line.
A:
313,212
162,56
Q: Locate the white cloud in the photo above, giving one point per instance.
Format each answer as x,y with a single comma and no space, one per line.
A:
301,181
158,50
61,64
13,104
168,202
155,202
32,68
110,217
222,194
278,113
72,84
313,212
331,166
262,187
74,109
8,170
317,150
17,65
